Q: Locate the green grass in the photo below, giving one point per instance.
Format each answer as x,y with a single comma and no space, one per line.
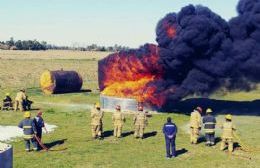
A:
74,125
70,112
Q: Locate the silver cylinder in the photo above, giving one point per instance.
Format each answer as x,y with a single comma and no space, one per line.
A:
108,103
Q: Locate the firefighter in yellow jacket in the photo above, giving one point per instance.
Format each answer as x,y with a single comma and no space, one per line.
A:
96,121
195,125
227,135
19,100
140,121
118,120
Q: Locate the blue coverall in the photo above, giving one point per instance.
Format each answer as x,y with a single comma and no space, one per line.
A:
39,123
29,130
170,131
209,122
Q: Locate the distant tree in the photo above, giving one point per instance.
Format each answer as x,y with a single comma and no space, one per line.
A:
19,45
10,42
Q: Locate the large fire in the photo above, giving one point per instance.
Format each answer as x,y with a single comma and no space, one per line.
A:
129,74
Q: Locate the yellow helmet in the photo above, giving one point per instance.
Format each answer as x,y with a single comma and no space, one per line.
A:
97,105
7,94
209,110
228,117
27,114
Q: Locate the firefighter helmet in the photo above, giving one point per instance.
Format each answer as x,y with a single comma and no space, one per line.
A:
118,107
97,105
199,109
140,108
228,117
209,110
27,114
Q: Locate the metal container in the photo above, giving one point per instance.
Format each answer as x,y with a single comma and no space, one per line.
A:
108,103
53,82
6,156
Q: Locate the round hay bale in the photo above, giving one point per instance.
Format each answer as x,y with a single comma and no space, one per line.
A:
53,82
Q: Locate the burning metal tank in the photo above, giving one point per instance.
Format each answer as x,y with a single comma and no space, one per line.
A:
6,156
129,77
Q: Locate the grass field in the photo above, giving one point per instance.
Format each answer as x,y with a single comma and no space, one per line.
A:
70,112
22,69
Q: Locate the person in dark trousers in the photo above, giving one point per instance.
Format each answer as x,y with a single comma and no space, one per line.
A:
39,123
29,131
209,122
27,104
170,131
7,102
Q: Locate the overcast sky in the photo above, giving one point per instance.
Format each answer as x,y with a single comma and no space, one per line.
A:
104,22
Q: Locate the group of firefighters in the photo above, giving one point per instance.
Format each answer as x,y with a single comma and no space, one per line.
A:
32,128
169,129
140,121
209,122
21,102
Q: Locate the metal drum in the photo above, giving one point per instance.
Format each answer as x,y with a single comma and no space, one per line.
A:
6,156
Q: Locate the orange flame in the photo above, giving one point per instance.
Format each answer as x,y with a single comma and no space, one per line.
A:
171,32
128,75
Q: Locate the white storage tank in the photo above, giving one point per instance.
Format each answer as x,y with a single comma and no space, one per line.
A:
6,156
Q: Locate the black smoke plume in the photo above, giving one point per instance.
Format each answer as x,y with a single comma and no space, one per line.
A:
200,52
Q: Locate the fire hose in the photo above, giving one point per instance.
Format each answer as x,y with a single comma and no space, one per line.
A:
244,146
44,147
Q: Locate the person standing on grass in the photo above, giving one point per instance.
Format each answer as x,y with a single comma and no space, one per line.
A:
195,125
170,131
96,121
140,121
29,131
19,100
39,123
228,134
118,121
209,122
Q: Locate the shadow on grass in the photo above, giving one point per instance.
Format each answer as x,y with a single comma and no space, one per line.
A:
108,133
181,152
150,134
55,143
217,140
250,108
125,134
34,109
203,139
236,146
80,91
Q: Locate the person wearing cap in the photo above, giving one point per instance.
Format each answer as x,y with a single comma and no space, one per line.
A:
7,102
39,123
140,121
227,135
195,125
118,121
209,122
29,131
170,131
96,121
19,100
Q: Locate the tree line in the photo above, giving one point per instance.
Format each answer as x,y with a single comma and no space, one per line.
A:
36,45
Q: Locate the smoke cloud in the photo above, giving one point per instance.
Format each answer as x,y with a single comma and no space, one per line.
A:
199,52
